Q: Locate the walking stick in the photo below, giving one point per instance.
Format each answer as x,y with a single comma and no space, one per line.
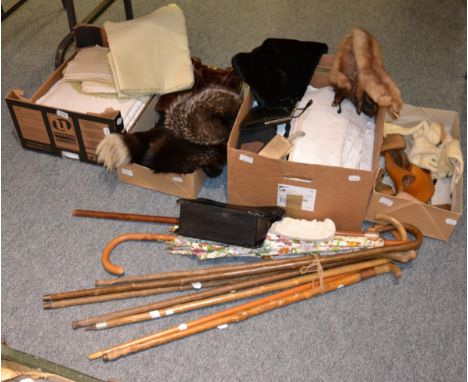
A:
224,298
238,313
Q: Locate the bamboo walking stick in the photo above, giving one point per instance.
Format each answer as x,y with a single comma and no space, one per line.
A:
229,297
241,312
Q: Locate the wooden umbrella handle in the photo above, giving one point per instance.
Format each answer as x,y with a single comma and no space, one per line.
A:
116,269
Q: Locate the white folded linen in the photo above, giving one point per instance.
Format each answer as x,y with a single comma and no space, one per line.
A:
67,96
89,64
150,54
334,139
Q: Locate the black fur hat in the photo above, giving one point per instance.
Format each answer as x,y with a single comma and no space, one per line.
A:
279,70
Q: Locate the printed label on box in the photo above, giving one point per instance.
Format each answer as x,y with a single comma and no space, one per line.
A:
307,194
64,132
92,133
31,124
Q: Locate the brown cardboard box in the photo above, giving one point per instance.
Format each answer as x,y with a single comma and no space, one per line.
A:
434,222
183,185
305,190
58,132
76,135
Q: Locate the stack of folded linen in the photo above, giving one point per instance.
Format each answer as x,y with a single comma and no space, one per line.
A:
150,55
91,68
343,139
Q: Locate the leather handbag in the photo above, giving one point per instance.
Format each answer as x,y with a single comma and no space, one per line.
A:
226,223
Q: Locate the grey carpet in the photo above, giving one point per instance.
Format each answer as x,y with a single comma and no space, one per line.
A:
413,329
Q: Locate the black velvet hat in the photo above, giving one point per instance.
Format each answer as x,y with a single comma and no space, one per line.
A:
279,70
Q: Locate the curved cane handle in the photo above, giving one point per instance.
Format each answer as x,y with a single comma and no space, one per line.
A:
402,257
116,269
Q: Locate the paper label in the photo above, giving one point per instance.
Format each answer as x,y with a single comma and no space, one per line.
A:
386,201
169,312
223,326
177,179
246,158
450,221
197,285
127,172
106,131
155,314
308,196
69,155
101,325
62,114
183,326
31,124
354,178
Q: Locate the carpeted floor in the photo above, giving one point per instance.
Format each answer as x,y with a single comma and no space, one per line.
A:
412,329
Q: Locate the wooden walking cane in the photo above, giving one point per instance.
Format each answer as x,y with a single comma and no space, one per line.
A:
185,298
239,313
234,296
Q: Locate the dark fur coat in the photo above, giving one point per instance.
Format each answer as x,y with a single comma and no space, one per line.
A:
191,134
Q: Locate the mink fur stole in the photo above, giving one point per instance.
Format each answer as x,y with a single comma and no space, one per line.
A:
358,74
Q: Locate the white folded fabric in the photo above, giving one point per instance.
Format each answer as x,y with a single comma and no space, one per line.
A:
89,64
334,139
67,96
150,54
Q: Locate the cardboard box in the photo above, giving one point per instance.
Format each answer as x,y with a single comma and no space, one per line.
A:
306,191
434,222
76,135
183,185
58,132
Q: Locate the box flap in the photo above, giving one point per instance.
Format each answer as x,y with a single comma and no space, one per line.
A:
183,185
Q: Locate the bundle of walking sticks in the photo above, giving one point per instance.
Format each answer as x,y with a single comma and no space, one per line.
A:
283,281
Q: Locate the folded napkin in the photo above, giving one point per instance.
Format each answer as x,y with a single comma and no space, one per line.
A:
150,54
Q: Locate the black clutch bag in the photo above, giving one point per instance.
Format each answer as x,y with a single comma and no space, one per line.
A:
226,223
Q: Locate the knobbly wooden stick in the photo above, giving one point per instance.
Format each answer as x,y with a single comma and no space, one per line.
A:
246,293
238,313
